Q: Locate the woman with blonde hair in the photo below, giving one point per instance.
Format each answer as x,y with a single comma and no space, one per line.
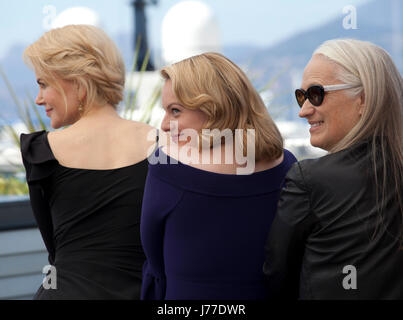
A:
212,188
338,229
86,181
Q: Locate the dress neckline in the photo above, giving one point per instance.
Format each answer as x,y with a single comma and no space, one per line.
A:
262,172
193,179
46,140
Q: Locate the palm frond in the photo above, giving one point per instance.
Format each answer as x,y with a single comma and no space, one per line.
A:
132,102
129,95
155,96
12,93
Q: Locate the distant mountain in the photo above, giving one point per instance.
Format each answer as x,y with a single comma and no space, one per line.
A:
283,62
286,60
374,24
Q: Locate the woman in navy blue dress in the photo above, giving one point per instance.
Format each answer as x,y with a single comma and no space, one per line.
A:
212,187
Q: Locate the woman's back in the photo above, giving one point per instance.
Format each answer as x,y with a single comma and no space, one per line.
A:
204,232
86,191
86,181
102,141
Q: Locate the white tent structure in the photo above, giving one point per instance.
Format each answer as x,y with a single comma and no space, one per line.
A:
189,28
76,15
10,154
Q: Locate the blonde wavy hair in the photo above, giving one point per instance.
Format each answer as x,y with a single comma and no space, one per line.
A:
371,70
83,54
215,85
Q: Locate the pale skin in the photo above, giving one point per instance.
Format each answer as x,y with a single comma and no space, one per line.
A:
97,139
339,111
195,119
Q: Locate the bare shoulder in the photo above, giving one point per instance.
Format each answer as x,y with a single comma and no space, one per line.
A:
67,137
106,145
62,143
60,137
143,135
142,132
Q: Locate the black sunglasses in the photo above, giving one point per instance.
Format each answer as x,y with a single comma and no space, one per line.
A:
316,93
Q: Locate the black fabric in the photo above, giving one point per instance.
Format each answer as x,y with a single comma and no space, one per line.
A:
327,220
89,221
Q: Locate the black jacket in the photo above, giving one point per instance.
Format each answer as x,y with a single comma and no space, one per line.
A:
324,240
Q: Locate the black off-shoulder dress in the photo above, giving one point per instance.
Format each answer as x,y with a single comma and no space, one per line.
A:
89,221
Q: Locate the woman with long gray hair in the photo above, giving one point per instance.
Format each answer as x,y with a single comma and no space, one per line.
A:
338,229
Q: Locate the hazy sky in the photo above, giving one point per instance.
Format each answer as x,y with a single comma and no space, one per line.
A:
258,22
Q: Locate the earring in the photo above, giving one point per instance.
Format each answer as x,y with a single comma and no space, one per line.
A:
81,108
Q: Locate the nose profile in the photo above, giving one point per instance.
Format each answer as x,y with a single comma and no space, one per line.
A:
165,123
306,110
39,99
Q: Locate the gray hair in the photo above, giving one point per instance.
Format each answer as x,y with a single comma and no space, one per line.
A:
371,69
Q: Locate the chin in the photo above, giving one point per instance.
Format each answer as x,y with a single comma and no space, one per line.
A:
55,126
317,143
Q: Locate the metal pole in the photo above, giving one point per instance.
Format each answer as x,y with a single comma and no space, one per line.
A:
140,34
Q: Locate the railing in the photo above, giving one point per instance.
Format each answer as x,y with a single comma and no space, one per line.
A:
15,213
22,252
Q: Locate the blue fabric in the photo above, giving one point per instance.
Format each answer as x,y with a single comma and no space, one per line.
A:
203,233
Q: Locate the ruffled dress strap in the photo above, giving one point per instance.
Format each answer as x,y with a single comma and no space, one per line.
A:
39,163
37,156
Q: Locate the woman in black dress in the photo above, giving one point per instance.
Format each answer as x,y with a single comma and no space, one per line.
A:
86,181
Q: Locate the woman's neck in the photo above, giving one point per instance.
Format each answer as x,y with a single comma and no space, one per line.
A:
98,113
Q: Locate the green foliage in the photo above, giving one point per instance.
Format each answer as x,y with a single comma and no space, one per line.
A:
131,96
276,111
12,186
27,112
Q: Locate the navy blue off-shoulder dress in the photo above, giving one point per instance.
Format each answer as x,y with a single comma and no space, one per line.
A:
203,233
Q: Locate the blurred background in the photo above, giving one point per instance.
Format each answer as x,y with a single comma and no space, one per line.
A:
271,40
